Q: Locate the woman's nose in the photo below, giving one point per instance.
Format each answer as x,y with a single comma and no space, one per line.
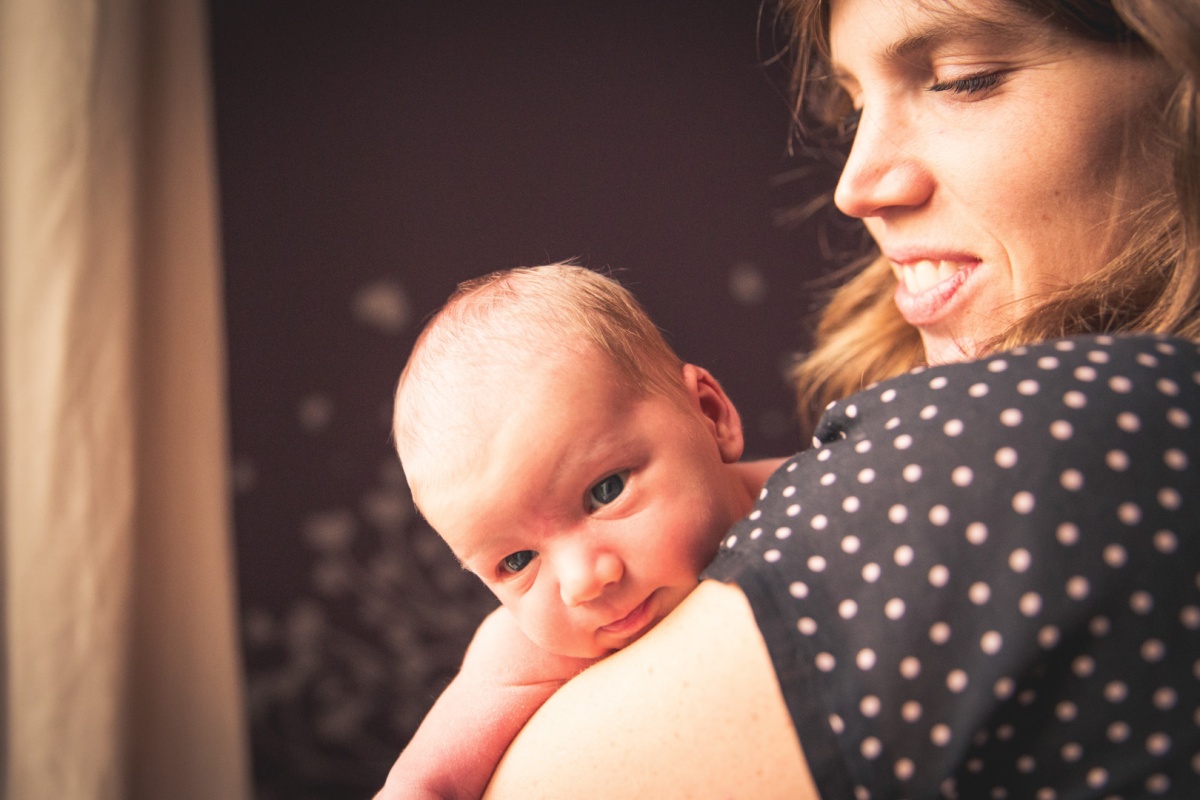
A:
881,174
583,575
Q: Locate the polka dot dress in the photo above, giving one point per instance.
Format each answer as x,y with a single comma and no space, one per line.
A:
983,581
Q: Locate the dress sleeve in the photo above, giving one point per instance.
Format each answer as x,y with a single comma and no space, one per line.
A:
983,580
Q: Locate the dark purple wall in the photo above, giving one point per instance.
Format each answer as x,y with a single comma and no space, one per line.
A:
373,154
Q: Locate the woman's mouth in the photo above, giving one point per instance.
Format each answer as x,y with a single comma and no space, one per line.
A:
926,287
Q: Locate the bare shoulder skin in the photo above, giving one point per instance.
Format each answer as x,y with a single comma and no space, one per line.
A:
692,709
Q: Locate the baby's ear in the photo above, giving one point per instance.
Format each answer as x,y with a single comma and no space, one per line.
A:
717,409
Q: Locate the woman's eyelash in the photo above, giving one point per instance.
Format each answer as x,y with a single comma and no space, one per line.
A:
969,85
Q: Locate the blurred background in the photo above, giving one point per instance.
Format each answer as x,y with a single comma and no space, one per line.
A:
373,154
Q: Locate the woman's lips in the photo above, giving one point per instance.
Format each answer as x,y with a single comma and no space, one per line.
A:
631,622
926,287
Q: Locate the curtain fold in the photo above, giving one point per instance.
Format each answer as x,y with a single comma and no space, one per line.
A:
120,662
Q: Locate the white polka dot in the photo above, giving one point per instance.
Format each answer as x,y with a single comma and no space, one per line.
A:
871,748
904,769
979,593
903,442
863,447
1066,711
1097,777
1189,617
866,476
806,625
892,424
1141,602
1019,560
825,662
1116,692
1129,513
793,510
1078,587
816,563
1115,556
1117,460
1083,666
871,572
1117,731
1099,626
828,479
1047,362
939,515
783,533
1158,783
836,724
978,390
977,533
940,734
1153,650
1179,418
1025,764
1071,480
850,504
851,411
820,522
1072,752
953,427
1011,417
1129,422
1030,604
1006,457
1169,498
798,589
1067,534
1064,345
789,491
897,513
910,667
1098,357
939,382
1120,384
1165,542
894,608
962,476
1164,699
1004,688
1074,399
1175,459
991,643
850,544
1166,348
847,609
1023,502
1061,429
824,455
928,412
888,396
910,711
912,473
865,659
1048,637
956,681
1147,360
771,556
903,555
1085,374
755,514
939,633
1028,387
998,365
757,532
939,576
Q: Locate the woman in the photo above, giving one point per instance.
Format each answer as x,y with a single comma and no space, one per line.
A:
982,581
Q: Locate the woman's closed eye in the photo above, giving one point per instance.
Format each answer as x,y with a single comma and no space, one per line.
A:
515,562
972,84
606,490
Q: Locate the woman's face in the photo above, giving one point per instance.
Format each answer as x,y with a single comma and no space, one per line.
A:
995,158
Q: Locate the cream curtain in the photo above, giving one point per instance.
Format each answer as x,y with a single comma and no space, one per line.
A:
119,651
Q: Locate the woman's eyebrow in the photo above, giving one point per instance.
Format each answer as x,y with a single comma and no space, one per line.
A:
937,34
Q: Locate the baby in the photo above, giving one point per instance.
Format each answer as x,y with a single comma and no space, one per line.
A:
580,469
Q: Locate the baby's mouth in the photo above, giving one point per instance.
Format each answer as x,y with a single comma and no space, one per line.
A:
631,621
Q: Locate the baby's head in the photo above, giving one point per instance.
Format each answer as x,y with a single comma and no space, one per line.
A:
566,454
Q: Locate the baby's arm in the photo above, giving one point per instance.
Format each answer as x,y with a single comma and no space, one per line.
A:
504,678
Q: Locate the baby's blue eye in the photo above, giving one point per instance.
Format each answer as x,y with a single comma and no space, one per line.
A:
608,489
517,561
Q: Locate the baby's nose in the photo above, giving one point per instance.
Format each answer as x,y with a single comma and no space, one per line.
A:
584,577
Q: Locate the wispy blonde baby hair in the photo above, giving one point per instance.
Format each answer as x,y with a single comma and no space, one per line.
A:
493,326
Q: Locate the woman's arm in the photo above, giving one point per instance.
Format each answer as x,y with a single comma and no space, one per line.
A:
692,709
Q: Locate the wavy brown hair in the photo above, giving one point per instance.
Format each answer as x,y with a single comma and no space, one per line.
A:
1151,285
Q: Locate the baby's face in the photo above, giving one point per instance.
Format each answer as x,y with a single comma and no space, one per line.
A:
587,511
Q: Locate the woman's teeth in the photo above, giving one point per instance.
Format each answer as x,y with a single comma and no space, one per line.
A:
925,274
